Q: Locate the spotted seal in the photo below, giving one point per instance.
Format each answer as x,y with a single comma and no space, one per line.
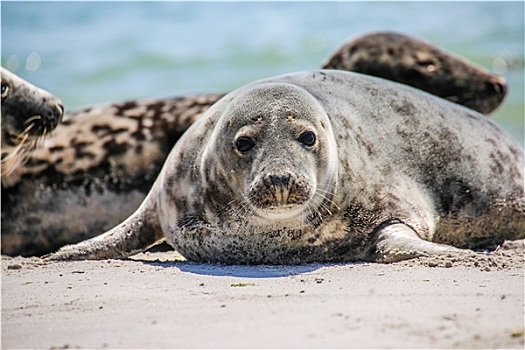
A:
29,113
93,172
417,63
327,166
108,156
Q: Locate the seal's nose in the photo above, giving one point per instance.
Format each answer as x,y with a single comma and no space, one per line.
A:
282,180
52,115
499,85
60,110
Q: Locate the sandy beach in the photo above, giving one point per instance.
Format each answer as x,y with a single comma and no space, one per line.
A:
154,300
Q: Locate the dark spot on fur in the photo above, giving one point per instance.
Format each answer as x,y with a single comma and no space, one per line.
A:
34,163
115,148
457,195
56,149
104,130
121,108
367,145
139,133
404,108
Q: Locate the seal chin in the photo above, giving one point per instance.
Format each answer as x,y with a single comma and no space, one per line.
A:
272,214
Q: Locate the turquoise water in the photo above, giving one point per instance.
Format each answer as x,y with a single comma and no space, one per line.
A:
95,52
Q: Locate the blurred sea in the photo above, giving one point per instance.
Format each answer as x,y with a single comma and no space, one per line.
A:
94,52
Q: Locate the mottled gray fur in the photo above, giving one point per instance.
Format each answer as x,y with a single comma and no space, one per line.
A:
393,173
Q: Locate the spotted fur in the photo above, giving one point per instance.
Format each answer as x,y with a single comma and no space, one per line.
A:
396,173
93,172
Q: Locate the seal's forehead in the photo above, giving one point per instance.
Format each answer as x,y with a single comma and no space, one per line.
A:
270,98
5,74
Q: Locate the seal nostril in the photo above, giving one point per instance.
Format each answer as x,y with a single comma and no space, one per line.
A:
498,86
60,114
280,180
502,88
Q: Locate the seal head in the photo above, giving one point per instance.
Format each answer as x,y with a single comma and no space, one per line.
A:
279,158
417,63
28,114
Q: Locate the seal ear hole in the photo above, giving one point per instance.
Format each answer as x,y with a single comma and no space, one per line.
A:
244,144
307,138
5,89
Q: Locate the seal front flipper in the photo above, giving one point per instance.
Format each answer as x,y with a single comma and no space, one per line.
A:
397,241
139,232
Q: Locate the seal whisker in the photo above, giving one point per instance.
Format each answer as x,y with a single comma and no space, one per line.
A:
241,210
329,193
25,133
32,119
324,196
19,154
320,201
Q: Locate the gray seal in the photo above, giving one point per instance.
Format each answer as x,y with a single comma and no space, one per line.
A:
420,64
327,166
29,113
108,156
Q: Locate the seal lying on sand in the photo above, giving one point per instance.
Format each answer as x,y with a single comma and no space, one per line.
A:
98,168
327,166
28,115
422,65
92,173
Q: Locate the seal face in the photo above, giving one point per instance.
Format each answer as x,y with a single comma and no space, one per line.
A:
280,156
384,173
28,114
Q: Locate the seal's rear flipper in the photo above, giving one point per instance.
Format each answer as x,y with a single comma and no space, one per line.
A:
398,242
139,232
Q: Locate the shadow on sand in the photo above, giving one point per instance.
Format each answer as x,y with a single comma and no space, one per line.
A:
246,271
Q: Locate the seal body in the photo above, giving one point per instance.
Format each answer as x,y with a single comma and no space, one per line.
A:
327,166
29,113
97,168
414,62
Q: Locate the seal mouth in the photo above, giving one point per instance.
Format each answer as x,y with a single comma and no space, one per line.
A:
281,212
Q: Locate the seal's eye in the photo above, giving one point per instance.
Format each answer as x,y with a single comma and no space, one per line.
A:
307,138
5,88
244,143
